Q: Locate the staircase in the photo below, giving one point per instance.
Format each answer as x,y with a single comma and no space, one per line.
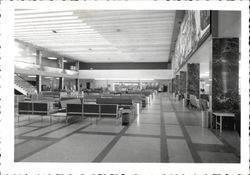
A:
23,86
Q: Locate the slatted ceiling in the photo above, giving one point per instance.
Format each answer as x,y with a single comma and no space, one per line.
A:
100,35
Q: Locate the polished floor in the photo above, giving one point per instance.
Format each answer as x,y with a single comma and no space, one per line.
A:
165,131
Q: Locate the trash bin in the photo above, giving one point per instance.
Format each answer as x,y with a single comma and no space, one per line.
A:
125,118
184,102
137,108
204,119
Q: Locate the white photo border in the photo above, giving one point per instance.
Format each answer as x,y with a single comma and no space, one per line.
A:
8,165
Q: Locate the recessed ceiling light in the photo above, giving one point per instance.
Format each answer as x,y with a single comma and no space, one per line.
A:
52,58
65,61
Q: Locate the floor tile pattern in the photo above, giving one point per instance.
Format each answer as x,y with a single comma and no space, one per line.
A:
164,131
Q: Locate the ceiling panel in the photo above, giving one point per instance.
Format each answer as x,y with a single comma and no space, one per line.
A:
99,35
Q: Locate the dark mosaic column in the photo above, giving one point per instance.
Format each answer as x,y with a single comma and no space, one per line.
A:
173,85
225,74
60,83
170,86
177,83
193,79
182,82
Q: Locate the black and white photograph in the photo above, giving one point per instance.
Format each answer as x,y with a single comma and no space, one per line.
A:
136,88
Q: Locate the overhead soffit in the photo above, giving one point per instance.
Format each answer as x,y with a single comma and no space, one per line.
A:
99,35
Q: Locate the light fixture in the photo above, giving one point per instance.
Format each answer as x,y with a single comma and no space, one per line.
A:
30,11
48,77
43,15
52,58
48,22
66,31
62,35
45,19
43,27
65,61
31,76
127,79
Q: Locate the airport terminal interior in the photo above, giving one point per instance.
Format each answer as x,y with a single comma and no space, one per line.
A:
131,86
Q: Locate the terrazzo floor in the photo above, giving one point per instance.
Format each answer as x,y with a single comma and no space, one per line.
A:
164,131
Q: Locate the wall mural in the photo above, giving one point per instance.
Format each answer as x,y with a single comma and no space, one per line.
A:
225,68
195,25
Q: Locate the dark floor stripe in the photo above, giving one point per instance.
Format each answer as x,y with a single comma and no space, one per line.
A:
231,148
53,142
97,133
142,135
107,149
17,124
175,137
212,148
194,153
36,138
38,128
163,146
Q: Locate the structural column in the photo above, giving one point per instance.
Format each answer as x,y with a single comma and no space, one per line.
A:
38,77
225,74
183,82
77,80
61,79
177,82
173,85
193,79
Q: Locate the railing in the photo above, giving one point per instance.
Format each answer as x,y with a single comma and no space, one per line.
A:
26,86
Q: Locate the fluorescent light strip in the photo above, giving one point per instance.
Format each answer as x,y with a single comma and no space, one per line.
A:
52,58
54,39
43,15
49,22
132,79
69,43
20,21
58,31
30,11
53,26
76,46
47,43
85,49
51,35
91,52
59,37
